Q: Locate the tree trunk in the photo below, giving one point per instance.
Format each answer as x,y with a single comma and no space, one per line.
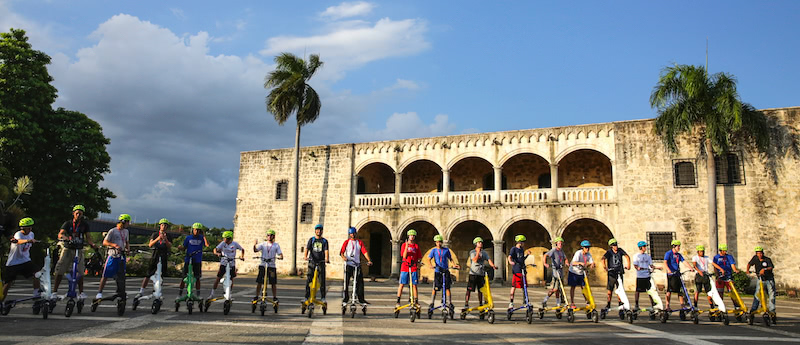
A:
712,198
295,199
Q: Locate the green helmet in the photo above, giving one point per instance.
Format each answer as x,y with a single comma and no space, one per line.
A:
411,232
125,217
227,234
198,226
438,238
612,241
759,249
723,247
520,238
164,221
270,232
25,222
701,248
676,243
476,240
79,208
558,239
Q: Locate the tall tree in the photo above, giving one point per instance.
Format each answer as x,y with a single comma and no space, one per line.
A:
290,94
63,151
691,102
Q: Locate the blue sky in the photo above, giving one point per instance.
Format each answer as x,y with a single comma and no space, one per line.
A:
178,84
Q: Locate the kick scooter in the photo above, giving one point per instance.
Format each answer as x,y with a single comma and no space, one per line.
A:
227,283
560,309
312,298
120,297
657,310
690,309
739,310
156,295
72,294
591,307
770,318
718,312
352,303
413,305
487,309
191,294
263,300
42,302
447,309
527,306
625,311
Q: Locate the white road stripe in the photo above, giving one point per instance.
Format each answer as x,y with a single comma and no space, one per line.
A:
101,330
687,339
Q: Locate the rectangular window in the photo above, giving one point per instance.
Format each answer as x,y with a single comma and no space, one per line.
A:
685,175
729,169
282,190
306,213
660,243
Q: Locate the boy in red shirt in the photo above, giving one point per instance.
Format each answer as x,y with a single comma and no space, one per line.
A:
351,254
408,271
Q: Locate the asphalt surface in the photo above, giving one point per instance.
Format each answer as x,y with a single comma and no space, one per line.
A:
378,326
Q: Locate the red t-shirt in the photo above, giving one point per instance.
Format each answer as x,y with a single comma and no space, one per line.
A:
413,254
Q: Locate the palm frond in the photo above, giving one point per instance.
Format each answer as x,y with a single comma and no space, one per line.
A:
311,107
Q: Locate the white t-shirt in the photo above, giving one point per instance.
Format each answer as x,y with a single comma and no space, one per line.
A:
643,261
229,251
268,252
20,253
580,257
702,263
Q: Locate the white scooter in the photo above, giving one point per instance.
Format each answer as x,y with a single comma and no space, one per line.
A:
625,310
227,283
156,295
353,302
657,310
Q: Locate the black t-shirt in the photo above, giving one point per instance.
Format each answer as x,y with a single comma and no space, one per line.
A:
758,264
76,229
317,248
614,260
517,255
159,248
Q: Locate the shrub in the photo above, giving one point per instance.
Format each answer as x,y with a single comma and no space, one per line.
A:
742,282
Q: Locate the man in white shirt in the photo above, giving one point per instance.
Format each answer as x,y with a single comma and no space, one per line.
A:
577,269
702,280
19,258
270,251
226,250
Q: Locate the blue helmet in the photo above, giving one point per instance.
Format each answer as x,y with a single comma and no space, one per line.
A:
352,230
585,243
641,244
318,226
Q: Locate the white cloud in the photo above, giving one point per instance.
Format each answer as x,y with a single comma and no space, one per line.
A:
403,84
41,36
178,13
348,9
350,46
410,125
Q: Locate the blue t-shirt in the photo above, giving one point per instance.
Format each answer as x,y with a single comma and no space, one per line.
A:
192,243
518,256
442,259
670,258
726,263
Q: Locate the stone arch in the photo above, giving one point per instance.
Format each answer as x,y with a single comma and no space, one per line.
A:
464,155
461,235
598,233
571,219
411,160
579,147
472,173
399,232
585,167
367,162
537,242
377,238
375,178
515,152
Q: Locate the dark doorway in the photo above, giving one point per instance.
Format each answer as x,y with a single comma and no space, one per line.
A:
375,252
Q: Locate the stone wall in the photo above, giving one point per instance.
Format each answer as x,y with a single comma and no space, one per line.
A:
523,171
378,179
469,174
421,177
584,168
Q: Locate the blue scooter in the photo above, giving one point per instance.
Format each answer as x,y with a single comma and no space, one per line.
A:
72,294
448,310
527,306
690,311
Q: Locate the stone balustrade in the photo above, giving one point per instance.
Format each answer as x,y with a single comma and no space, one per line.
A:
525,196
471,198
420,199
374,200
587,194
512,196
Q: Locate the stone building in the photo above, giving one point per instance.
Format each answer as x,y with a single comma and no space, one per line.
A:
590,182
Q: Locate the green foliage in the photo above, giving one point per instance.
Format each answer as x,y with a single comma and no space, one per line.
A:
63,151
290,92
741,281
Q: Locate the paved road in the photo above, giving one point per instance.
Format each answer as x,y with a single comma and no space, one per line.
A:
378,326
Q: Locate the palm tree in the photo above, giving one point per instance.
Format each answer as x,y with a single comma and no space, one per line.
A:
689,101
290,93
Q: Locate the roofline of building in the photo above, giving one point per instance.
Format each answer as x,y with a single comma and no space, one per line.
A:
485,133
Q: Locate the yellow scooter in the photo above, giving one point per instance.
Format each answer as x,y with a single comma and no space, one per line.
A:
312,298
590,308
739,310
486,309
263,300
562,306
413,305
770,318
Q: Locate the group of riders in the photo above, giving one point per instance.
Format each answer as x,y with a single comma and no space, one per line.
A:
615,262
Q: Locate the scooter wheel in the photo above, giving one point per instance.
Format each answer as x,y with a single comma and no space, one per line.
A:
344,310
177,307
682,315
156,306
275,308
396,314
430,315
508,314
310,310
253,309
94,306
120,307
529,316
749,318
444,316
263,309
595,316
664,316
412,316
50,305
189,307
463,316
37,308
353,312
695,318
5,309
45,310
774,319
712,318
725,319
364,310
630,317
570,316
622,315
226,307
558,315
324,310
80,306
69,308
541,314
490,317
767,320
302,309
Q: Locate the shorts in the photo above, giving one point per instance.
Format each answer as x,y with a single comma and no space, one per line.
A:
153,267
612,280
437,280
65,260
197,269
702,283
557,275
575,279
223,268
516,281
113,267
723,284
414,278
271,272
475,282
642,284
25,269
674,283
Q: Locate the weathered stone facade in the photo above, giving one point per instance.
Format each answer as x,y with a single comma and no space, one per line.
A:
579,182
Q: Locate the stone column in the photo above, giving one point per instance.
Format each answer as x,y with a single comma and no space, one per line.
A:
499,261
498,183
396,259
445,186
446,243
554,182
398,182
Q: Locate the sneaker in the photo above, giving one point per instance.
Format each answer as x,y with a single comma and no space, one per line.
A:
275,299
99,295
363,301
255,298
397,305
430,306
511,305
323,301
138,296
344,304
82,296
544,304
